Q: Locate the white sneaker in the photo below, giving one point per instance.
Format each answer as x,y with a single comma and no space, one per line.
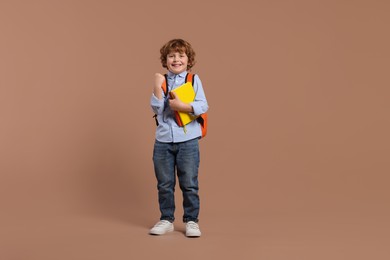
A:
192,229
161,227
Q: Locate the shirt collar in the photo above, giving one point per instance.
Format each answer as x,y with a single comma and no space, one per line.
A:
181,75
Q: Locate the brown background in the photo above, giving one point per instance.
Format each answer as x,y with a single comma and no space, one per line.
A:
296,161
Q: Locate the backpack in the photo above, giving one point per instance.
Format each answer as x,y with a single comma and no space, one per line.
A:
202,119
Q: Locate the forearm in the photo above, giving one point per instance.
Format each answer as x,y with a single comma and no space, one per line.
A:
156,104
157,91
187,108
158,81
199,107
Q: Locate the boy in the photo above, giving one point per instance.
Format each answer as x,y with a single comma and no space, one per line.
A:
176,147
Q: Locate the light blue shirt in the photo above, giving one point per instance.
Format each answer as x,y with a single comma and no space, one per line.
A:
168,131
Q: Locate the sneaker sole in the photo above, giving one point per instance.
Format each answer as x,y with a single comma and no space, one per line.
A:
157,233
193,235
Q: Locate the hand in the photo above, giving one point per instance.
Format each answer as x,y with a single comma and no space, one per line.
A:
177,105
158,80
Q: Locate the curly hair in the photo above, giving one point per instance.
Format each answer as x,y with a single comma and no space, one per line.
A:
177,45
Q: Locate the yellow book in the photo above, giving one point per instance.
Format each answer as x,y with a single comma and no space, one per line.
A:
186,94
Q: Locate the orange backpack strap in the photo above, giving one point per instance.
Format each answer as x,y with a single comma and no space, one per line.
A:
164,85
190,78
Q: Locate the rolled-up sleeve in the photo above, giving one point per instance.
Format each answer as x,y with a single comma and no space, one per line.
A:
200,104
157,104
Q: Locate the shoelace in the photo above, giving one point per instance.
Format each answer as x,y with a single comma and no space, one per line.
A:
193,225
162,223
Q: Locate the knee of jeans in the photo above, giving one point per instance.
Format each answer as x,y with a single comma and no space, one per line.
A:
166,185
189,185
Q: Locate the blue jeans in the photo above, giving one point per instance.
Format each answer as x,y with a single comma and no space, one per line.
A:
184,158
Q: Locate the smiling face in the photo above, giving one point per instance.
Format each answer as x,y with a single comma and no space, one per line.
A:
177,62
177,56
